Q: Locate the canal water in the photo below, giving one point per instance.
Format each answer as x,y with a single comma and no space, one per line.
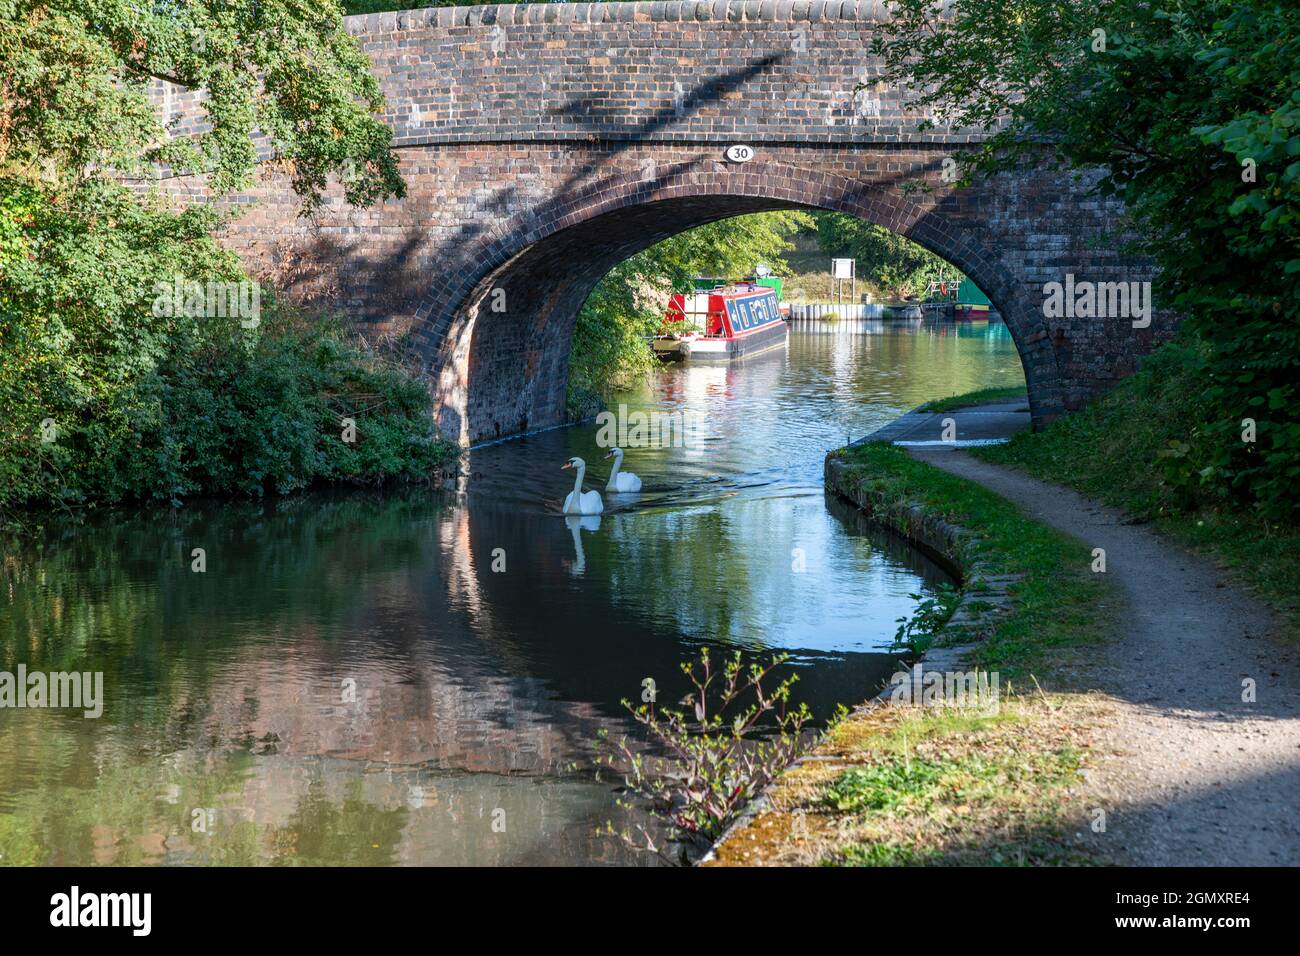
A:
419,678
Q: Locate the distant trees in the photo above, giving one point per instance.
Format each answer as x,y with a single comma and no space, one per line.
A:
609,348
893,263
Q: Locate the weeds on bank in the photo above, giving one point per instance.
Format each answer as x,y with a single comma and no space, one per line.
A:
916,633
729,737
943,787
906,786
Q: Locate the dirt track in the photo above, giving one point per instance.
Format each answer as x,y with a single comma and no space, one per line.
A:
1195,775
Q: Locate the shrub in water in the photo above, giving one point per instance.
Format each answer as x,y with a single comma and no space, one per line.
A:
728,741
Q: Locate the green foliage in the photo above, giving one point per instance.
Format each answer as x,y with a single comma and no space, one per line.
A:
887,260
729,248
609,340
76,75
107,395
1119,446
267,416
729,739
876,854
107,400
18,845
883,786
917,633
627,306
160,407
1192,115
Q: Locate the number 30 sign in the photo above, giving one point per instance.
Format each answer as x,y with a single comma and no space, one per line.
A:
739,154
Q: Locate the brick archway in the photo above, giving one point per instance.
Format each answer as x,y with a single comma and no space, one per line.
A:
502,372
540,143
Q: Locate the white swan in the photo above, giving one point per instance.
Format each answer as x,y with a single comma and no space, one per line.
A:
579,502
621,481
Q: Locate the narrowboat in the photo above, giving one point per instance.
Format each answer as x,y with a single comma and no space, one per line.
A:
720,324
759,277
971,303
903,311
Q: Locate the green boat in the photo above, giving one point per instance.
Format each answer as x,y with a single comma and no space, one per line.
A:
971,303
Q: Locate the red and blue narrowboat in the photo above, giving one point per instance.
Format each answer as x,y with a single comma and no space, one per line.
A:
723,323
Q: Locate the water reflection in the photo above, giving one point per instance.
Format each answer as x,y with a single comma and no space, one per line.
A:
576,526
417,678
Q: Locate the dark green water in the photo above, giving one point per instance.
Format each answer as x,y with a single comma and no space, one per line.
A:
350,681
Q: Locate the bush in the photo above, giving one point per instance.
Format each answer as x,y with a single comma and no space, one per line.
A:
267,416
107,400
251,414
716,761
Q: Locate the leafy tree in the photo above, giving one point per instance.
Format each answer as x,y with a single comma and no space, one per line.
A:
76,75
107,396
1189,112
892,262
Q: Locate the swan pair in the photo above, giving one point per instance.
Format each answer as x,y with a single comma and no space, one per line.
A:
581,502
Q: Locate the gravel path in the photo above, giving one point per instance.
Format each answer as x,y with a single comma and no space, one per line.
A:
1196,776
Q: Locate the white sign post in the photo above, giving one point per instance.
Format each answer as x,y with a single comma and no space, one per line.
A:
844,270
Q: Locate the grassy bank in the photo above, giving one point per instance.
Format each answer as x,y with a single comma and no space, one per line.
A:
908,785
978,397
1139,449
1053,607
911,786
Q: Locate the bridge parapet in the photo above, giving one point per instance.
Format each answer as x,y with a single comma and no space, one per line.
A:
682,71
658,11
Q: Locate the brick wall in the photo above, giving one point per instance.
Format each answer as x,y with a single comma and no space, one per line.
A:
544,143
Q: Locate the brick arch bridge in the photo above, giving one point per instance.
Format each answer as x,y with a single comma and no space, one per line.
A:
542,144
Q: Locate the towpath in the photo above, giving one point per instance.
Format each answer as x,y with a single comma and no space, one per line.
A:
1196,773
